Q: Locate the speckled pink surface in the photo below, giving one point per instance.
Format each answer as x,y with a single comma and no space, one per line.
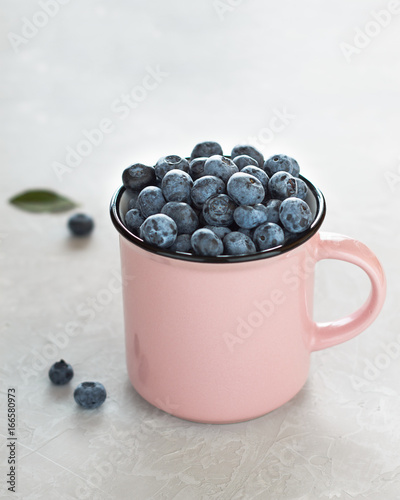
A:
272,74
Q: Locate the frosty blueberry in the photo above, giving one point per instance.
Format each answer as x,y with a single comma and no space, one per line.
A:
138,176
159,230
245,149
170,162
237,243
90,394
61,373
295,215
245,189
134,219
151,200
196,168
80,224
268,235
272,210
245,160
282,185
259,173
184,216
205,187
220,166
182,243
218,210
302,189
176,186
206,242
206,149
220,231
248,217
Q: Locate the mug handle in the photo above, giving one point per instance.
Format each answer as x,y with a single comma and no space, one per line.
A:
337,246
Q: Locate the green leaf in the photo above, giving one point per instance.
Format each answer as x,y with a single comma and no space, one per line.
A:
42,200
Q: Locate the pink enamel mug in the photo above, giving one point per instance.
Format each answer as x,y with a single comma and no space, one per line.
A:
227,339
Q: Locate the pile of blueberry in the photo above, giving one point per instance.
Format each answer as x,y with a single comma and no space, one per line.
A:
214,205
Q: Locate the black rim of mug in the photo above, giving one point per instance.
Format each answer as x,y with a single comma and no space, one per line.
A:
221,259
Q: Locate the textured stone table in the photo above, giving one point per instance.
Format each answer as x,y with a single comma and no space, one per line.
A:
317,81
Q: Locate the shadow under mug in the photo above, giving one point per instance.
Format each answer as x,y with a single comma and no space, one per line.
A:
226,339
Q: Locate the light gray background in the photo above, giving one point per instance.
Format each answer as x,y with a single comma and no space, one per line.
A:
228,67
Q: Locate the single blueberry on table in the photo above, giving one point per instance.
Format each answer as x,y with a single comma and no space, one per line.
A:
248,217
61,373
206,149
245,149
159,230
245,189
220,166
90,394
218,210
259,173
220,231
151,200
272,210
204,188
184,216
302,189
295,215
243,161
80,224
182,243
282,185
176,186
138,176
268,235
237,243
206,242
134,219
170,162
196,168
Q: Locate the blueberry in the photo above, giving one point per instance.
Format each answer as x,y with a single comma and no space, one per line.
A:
182,243
196,168
133,220
281,163
248,217
184,216
295,215
205,187
206,149
133,198
220,231
237,243
247,232
80,224
302,189
245,189
159,230
61,373
151,200
176,186
138,176
220,166
282,185
90,394
268,235
206,242
218,210
244,149
244,161
272,209
171,162
259,173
